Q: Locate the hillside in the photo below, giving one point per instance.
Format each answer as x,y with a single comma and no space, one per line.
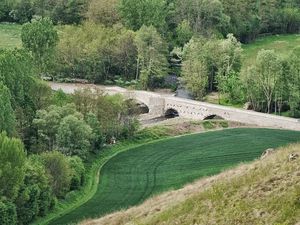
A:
281,44
263,192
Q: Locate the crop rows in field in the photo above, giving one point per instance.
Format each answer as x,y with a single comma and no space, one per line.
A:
133,176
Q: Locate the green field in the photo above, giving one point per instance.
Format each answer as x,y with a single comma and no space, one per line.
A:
281,44
132,176
10,35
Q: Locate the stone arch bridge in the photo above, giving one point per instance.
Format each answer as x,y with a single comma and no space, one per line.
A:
159,104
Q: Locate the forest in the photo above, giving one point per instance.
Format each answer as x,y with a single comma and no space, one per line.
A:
47,139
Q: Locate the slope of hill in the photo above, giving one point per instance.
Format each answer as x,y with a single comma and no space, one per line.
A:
10,35
266,191
281,44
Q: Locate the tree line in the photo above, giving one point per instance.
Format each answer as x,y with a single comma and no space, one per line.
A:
245,19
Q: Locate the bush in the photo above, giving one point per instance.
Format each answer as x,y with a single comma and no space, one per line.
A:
58,168
77,172
8,214
208,125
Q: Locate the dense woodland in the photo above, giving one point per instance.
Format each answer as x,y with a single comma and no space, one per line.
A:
48,137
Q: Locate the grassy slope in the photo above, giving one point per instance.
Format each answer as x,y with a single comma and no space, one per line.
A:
10,36
265,192
281,44
131,177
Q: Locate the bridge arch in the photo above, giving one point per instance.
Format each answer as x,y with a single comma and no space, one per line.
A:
140,107
213,117
171,113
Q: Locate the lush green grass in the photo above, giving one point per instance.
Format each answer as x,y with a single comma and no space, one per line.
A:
134,175
10,35
282,44
264,192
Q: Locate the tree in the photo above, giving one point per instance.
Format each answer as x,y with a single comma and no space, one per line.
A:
7,114
294,81
73,136
59,171
265,75
77,172
208,62
97,53
23,12
136,13
48,121
12,162
8,214
35,196
103,11
152,60
40,37
204,16
184,33
97,137
68,11
228,65
194,69
232,87
18,75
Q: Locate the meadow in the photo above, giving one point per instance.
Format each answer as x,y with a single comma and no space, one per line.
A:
10,35
139,173
281,44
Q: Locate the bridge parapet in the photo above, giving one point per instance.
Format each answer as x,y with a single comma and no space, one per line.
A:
158,104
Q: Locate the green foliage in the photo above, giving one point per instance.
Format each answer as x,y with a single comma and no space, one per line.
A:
23,11
194,69
58,168
208,125
18,75
40,38
60,98
68,11
12,163
73,136
78,171
263,78
151,56
294,82
103,11
102,53
231,87
112,113
205,17
35,196
8,214
96,137
184,33
138,13
207,62
7,115
48,121
27,93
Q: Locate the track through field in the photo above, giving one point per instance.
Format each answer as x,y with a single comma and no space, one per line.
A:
133,176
